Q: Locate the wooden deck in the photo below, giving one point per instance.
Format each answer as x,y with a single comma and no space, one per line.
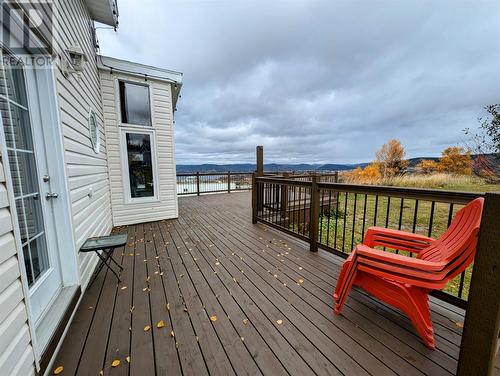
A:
237,298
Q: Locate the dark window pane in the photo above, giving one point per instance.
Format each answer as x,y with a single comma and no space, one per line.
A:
27,172
134,104
33,215
21,218
27,265
38,248
140,166
14,82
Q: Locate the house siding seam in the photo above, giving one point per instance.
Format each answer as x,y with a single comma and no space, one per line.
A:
16,351
85,169
161,103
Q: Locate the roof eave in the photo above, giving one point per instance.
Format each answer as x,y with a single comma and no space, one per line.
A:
103,11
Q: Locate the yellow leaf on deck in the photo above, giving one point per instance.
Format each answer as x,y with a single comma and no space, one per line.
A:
300,268
459,324
115,363
245,321
168,306
172,334
300,281
217,263
146,328
127,359
213,318
124,287
160,324
58,370
279,322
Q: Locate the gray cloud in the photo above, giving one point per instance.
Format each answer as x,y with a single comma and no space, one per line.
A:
317,81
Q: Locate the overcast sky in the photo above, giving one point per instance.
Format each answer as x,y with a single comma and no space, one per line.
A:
316,81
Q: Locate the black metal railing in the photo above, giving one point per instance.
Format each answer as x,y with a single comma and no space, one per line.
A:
335,216
203,182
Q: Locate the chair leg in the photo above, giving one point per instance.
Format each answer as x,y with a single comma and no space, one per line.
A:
413,301
345,282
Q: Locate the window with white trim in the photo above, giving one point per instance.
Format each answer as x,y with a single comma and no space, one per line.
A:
94,132
140,163
135,104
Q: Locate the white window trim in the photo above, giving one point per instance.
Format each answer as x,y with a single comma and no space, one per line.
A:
128,199
97,146
118,102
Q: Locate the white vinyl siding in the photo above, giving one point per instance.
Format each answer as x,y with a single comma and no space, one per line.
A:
126,211
86,171
16,352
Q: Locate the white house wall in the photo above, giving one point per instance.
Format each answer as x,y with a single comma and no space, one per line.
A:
161,102
85,169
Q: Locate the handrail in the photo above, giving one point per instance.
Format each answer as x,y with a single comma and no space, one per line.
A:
335,216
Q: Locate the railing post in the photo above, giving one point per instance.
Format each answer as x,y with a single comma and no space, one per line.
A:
314,215
198,183
229,182
260,160
482,319
336,179
254,198
284,196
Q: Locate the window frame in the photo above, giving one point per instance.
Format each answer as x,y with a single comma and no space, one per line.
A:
119,103
128,199
97,145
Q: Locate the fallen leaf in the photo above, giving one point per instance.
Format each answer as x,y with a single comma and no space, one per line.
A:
279,322
217,263
168,306
160,324
127,359
115,363
58,370
242,338
300,281
459,324
300,268
245,321
146,328
185,309
90,308
124,287
213,318
172,334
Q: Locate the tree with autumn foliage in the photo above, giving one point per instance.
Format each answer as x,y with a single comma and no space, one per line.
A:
427,166
455,160
391,159
369,174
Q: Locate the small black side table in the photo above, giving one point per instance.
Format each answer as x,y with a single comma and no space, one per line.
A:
107,245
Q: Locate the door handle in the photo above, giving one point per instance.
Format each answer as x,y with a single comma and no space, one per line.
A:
50,196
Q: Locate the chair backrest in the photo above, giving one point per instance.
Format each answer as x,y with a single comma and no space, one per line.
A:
457,246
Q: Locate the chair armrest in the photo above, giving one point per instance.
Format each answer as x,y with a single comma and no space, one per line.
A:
396,263
395,239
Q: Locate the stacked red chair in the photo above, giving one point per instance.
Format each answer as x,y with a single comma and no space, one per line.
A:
405,282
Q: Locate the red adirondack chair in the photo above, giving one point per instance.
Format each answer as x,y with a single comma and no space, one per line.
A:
405,282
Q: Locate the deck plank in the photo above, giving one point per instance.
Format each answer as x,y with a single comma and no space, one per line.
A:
213,261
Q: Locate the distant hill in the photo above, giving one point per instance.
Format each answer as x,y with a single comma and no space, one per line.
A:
271,167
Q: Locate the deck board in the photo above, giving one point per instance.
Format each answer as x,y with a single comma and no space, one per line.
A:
213,262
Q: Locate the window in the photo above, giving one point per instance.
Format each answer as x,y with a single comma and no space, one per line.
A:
135,106
94,132
140,165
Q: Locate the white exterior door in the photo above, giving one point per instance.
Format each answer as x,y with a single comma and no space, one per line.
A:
33,189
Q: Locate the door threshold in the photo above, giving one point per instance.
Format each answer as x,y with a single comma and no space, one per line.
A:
51,327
